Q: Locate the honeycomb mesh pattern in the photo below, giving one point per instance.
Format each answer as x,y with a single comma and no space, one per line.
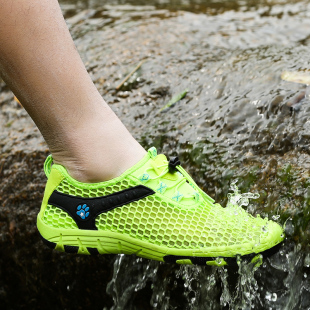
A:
67,188
153,220
157,222
58,218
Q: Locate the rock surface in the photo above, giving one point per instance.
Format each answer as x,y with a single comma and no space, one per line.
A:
238,121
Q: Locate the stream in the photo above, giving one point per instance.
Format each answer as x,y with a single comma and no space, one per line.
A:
244,122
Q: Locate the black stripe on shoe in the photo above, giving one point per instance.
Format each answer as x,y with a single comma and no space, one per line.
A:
85,210
93,251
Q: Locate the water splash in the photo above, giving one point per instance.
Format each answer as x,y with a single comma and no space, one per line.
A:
130,274
246,294
226,298
275,217
237,199
270,284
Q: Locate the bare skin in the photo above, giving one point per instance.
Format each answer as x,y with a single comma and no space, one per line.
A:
39,62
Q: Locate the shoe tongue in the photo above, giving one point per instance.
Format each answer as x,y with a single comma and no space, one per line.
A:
159,164
158,160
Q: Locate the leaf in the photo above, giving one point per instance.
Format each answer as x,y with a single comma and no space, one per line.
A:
175,99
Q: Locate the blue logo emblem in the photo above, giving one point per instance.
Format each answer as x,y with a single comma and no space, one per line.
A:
82,211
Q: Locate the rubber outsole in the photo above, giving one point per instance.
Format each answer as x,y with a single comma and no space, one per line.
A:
220,261
68,248
176,259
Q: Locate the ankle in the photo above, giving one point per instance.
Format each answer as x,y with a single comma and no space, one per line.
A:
97,149
101,166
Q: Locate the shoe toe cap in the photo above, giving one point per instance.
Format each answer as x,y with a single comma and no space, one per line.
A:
273,235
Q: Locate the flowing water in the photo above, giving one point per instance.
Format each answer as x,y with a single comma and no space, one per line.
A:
242,131
277,282
199,285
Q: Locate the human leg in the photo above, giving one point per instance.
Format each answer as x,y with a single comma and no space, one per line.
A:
39,62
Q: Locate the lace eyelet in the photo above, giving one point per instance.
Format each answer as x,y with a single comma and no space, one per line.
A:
177,197
162,187
144,178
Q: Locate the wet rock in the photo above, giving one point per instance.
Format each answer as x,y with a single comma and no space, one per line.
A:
82,16
129,8
235,122
68,10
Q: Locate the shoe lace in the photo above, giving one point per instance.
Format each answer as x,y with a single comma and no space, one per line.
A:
185,177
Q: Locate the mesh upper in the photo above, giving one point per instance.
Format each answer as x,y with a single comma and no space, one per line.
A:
58,218
69,189
156,221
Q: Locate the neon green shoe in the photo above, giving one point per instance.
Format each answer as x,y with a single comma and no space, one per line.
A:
154,210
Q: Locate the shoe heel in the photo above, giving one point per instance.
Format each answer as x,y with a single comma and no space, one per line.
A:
68,248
